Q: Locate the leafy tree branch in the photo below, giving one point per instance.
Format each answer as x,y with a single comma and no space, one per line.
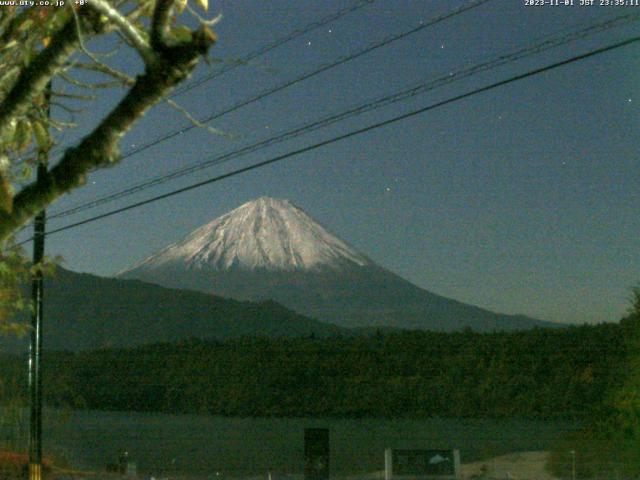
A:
39,45
167,62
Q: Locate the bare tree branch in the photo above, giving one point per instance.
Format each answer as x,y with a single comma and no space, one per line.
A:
130,32
74,96
93,85
33,78
67,108
10,23
135,14
102,67
100,147
204,21
193,119
159,24
60,125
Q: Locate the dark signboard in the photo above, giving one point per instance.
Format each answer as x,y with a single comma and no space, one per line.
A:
316,453
422,463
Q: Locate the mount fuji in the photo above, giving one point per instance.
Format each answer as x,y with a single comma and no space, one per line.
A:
262,235
269,249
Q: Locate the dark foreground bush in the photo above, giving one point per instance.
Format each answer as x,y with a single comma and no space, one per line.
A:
597,454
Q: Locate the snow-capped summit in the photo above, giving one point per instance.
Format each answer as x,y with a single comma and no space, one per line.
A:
268,249
263,234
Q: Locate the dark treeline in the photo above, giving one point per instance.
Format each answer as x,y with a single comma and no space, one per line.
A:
543,373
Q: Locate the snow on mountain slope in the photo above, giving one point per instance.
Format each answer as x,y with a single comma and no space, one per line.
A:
270,249
264,234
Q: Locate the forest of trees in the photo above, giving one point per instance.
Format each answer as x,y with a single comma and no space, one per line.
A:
607,444
588,373
543,373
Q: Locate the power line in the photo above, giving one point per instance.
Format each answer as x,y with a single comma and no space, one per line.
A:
279,42
323,68
362,108
306,76
353,133
267,48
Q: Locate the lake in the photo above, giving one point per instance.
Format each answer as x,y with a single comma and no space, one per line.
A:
200,445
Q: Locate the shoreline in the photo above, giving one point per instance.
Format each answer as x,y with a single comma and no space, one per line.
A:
527,465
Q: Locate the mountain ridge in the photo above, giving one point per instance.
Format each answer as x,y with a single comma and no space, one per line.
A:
343,287
84,311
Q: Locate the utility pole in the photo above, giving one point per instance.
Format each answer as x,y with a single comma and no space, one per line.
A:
35,350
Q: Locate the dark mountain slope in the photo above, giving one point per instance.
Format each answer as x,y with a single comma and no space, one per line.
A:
271,249
85,311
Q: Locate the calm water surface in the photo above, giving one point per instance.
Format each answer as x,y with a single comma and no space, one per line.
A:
167,445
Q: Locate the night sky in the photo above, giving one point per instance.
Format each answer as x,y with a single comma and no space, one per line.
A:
522,199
